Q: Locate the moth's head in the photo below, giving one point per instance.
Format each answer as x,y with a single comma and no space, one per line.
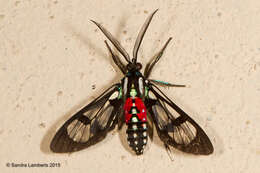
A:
133,70
134,67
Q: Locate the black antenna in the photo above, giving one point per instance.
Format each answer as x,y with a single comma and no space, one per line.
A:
113,41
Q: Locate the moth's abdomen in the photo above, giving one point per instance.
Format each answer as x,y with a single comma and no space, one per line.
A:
136,121
137,136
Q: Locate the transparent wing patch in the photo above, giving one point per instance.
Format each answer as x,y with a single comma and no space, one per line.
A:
174,126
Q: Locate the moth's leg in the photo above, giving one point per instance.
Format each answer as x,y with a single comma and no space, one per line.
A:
169,151
165,83
151,64
150,126
116,60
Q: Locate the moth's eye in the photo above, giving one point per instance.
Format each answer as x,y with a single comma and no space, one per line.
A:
129,67
139,66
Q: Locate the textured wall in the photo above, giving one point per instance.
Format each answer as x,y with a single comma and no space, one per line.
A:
53,61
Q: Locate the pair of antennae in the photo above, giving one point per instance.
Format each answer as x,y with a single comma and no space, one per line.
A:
137,42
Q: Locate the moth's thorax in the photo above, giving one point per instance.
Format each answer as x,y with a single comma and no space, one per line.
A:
133,83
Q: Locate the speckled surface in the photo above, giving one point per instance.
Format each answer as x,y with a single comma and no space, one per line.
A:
53,61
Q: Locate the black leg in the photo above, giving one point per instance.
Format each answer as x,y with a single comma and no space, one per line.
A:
116,59
162,83
169,152
151,64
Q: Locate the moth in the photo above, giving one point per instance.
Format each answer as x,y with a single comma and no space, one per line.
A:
133,101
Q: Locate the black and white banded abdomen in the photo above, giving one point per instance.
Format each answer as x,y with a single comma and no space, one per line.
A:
137,134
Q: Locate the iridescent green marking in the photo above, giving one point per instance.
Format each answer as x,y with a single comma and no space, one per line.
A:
166,83
119,93
146,91
138,73
133,92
